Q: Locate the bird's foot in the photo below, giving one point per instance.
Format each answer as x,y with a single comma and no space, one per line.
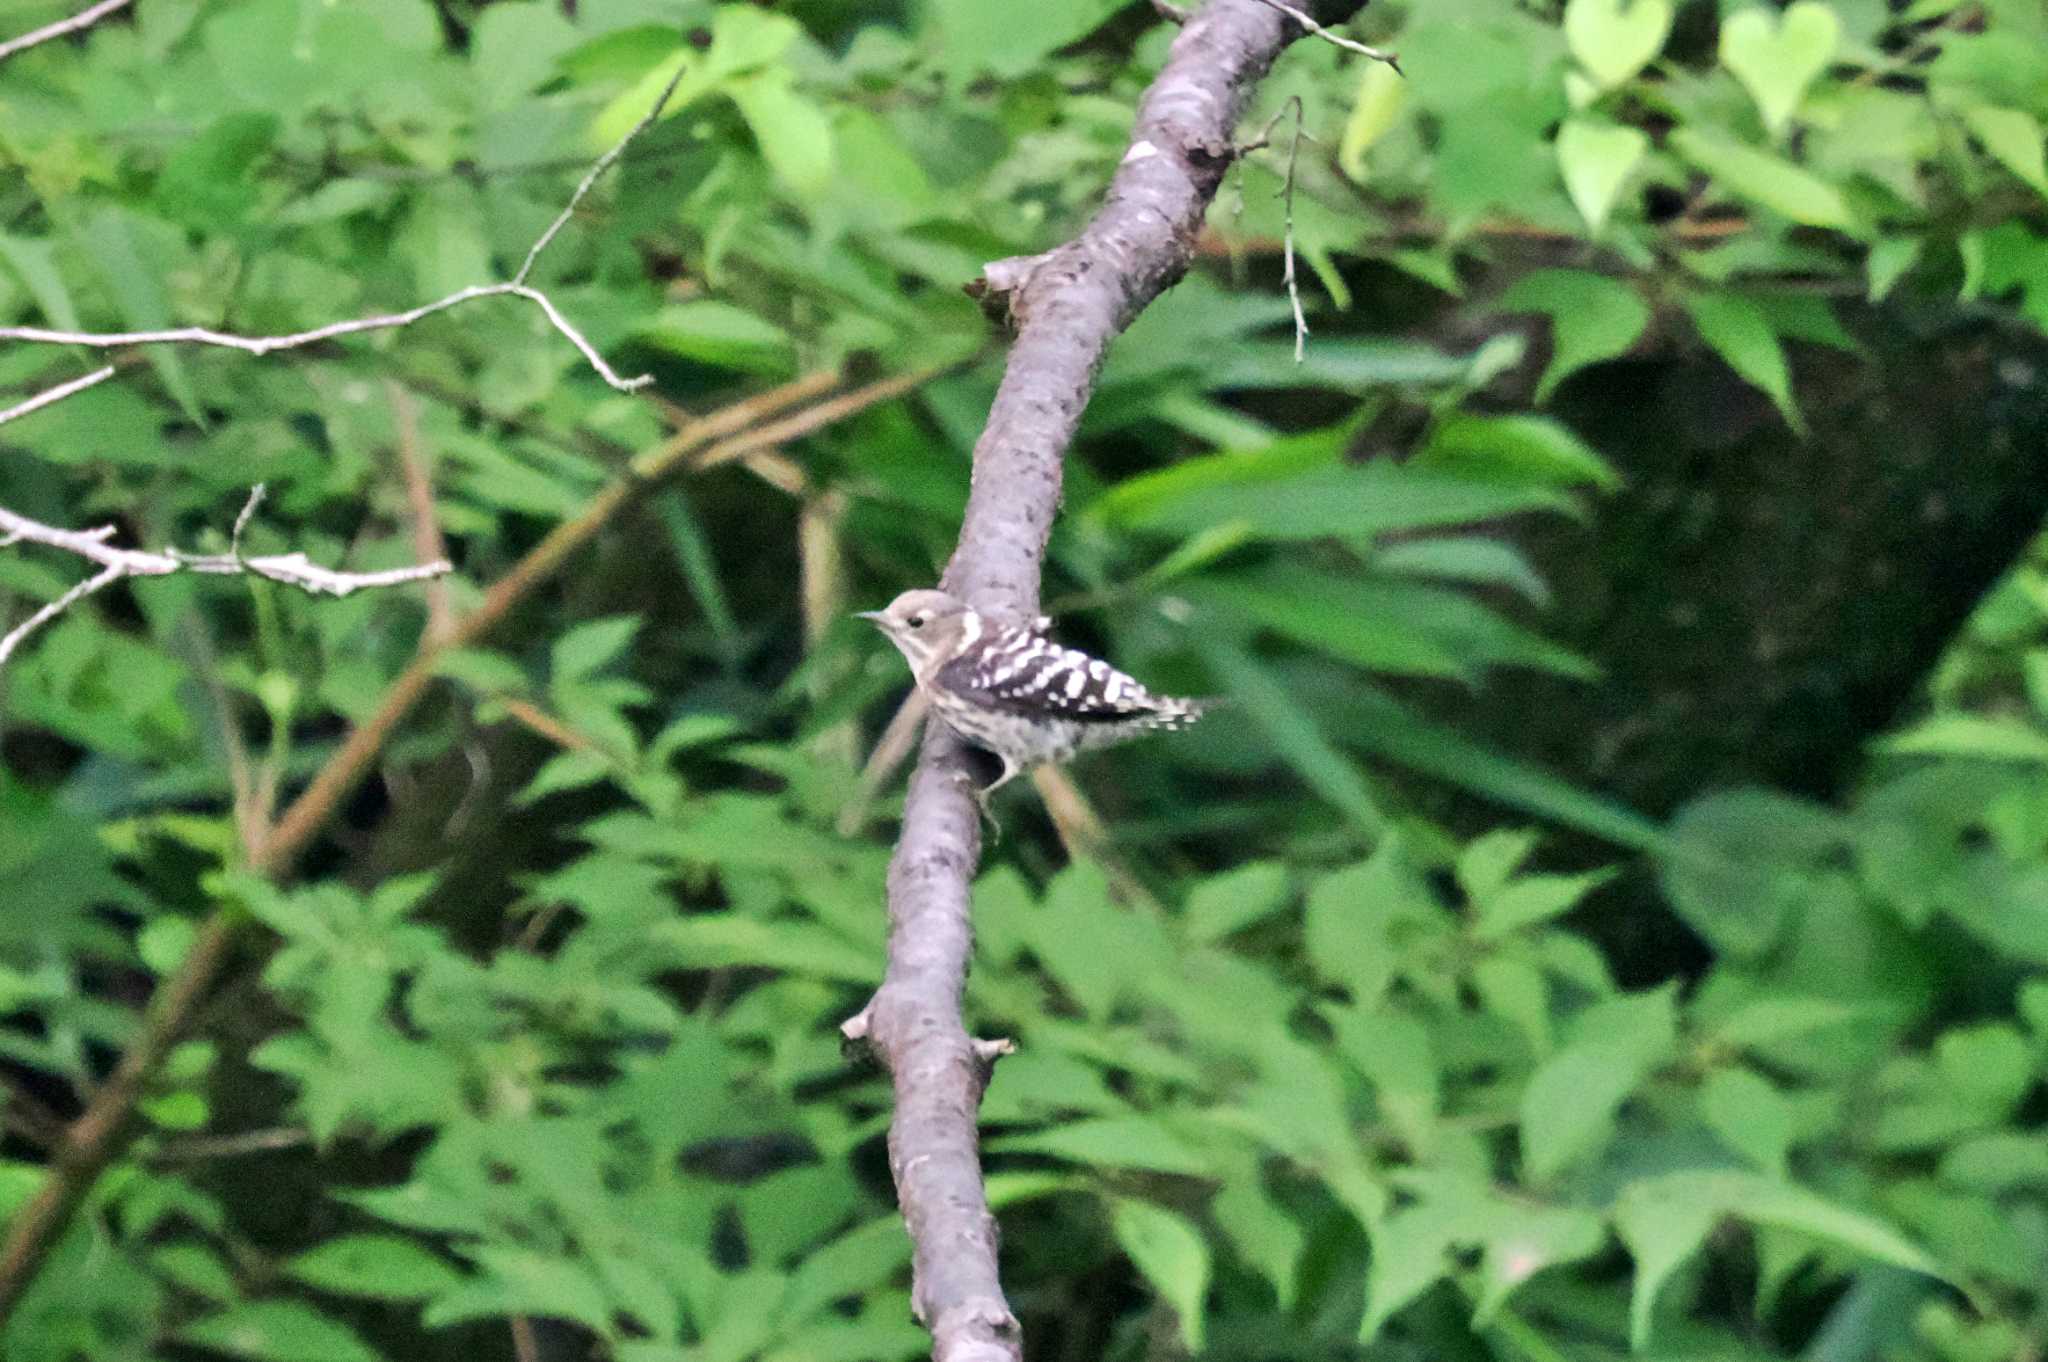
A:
981,802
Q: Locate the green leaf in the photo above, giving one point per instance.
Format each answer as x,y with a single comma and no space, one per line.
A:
442,240
209,182
1742,335
1265,1236
1568,1109
1890,257
197,1269
1989,1065
1220,905
1515,448
1362,500
35,263
1972,735
718,333
590,645
1742,861
1173,1256
1381,94
1114,1142
1662,1226
1777,56
794,134
857,1262
1411,1247
1750,1115
128,251
1775,183
1592,318
1470,558
1379,725
2014,136
1326,613
1532,899
163,941
1009,40
1611,43
1665,1219
1292,730
723,940
1776,1018
516,1281
1395,1054
277,1331
486,673
1596,160
380,1266
513,50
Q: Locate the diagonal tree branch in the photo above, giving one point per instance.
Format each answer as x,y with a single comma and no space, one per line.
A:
1068,305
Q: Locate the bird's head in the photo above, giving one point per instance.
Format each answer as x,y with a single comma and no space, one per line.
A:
923,625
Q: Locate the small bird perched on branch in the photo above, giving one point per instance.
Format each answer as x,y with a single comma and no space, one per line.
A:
1012,690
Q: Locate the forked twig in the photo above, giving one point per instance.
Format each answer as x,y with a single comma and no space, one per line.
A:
291,569
1338,39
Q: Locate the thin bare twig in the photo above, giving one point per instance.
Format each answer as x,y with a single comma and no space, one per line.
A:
427,543
292,569
51,396
202,1148
1286,196
264,345
528,715
249,808
821,561
1348,44
1287,210
78,22
515,287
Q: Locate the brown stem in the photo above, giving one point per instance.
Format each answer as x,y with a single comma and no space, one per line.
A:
428,545
1067,305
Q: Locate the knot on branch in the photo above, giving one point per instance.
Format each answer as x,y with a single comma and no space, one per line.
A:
978,1329
1000,288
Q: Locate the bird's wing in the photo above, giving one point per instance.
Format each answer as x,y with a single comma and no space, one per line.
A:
1022,672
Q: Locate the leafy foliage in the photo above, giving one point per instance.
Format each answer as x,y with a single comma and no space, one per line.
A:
542,1041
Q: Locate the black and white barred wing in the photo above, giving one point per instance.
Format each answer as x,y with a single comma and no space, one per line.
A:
1022,672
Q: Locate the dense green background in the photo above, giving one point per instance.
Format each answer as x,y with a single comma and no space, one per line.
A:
1614,914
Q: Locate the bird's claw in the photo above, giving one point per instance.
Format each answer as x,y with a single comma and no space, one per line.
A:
981,802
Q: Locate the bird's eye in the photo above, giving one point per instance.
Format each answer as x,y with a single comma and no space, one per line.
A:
917,621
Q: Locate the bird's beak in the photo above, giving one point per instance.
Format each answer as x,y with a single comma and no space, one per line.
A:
871,616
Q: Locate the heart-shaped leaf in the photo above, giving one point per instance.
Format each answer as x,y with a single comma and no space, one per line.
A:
1777,61
1613,43
1596,158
